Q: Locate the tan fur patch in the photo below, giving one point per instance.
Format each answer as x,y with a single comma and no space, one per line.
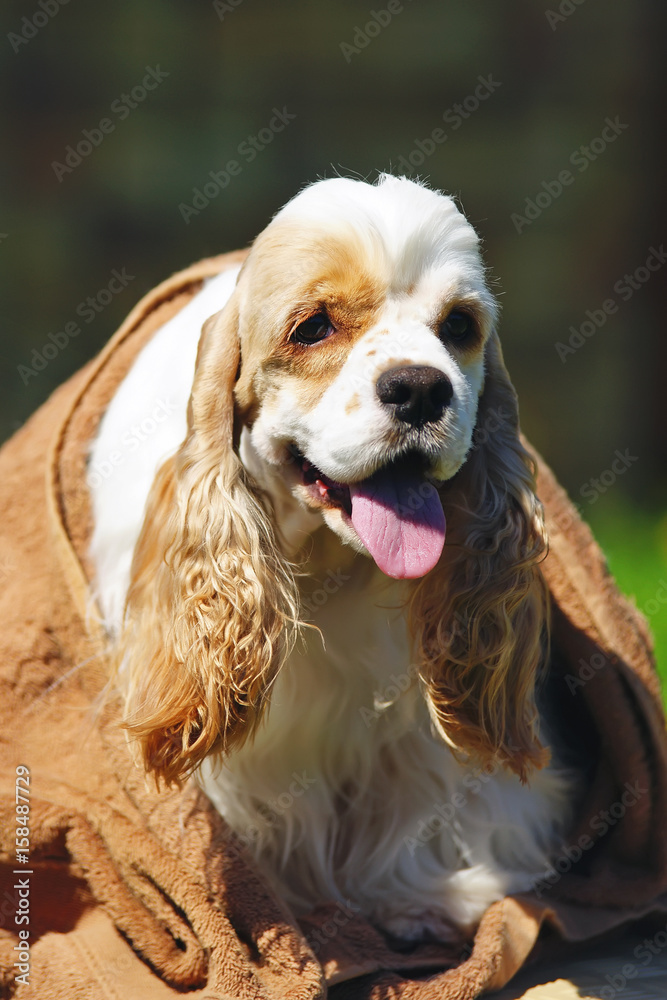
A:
293,273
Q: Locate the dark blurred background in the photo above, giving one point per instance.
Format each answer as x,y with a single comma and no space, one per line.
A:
367,85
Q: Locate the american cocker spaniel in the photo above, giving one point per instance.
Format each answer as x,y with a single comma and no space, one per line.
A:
320,569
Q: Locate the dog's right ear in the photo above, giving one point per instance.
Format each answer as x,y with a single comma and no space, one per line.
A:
481,616
212,603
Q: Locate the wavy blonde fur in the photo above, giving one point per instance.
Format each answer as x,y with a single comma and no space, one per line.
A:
480,617
212,602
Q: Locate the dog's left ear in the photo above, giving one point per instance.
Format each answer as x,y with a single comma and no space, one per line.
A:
212,601
480,617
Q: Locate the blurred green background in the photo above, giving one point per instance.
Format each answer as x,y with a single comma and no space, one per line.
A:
367,85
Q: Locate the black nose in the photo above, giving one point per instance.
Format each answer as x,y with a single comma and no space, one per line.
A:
418,394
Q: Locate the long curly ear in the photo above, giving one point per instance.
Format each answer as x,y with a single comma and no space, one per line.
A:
212,602
480,617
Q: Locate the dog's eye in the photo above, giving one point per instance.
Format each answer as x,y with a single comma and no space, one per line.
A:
459,326
312,330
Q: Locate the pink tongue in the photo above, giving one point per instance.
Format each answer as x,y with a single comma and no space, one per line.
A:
399,518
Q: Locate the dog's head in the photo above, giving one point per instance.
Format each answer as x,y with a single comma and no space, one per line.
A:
363,316
356,371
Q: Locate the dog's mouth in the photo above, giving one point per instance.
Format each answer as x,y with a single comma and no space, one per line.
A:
396,512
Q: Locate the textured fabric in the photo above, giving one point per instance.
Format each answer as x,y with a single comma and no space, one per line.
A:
134,892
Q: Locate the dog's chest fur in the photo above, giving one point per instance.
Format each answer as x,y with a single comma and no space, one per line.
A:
346,794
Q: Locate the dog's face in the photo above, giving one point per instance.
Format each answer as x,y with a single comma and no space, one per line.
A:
363,315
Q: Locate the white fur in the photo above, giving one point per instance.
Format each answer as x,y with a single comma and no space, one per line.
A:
126,455
345,793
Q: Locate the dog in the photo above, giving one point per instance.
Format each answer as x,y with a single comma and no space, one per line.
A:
320,571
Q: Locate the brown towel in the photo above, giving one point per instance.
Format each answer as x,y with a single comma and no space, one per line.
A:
131,892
